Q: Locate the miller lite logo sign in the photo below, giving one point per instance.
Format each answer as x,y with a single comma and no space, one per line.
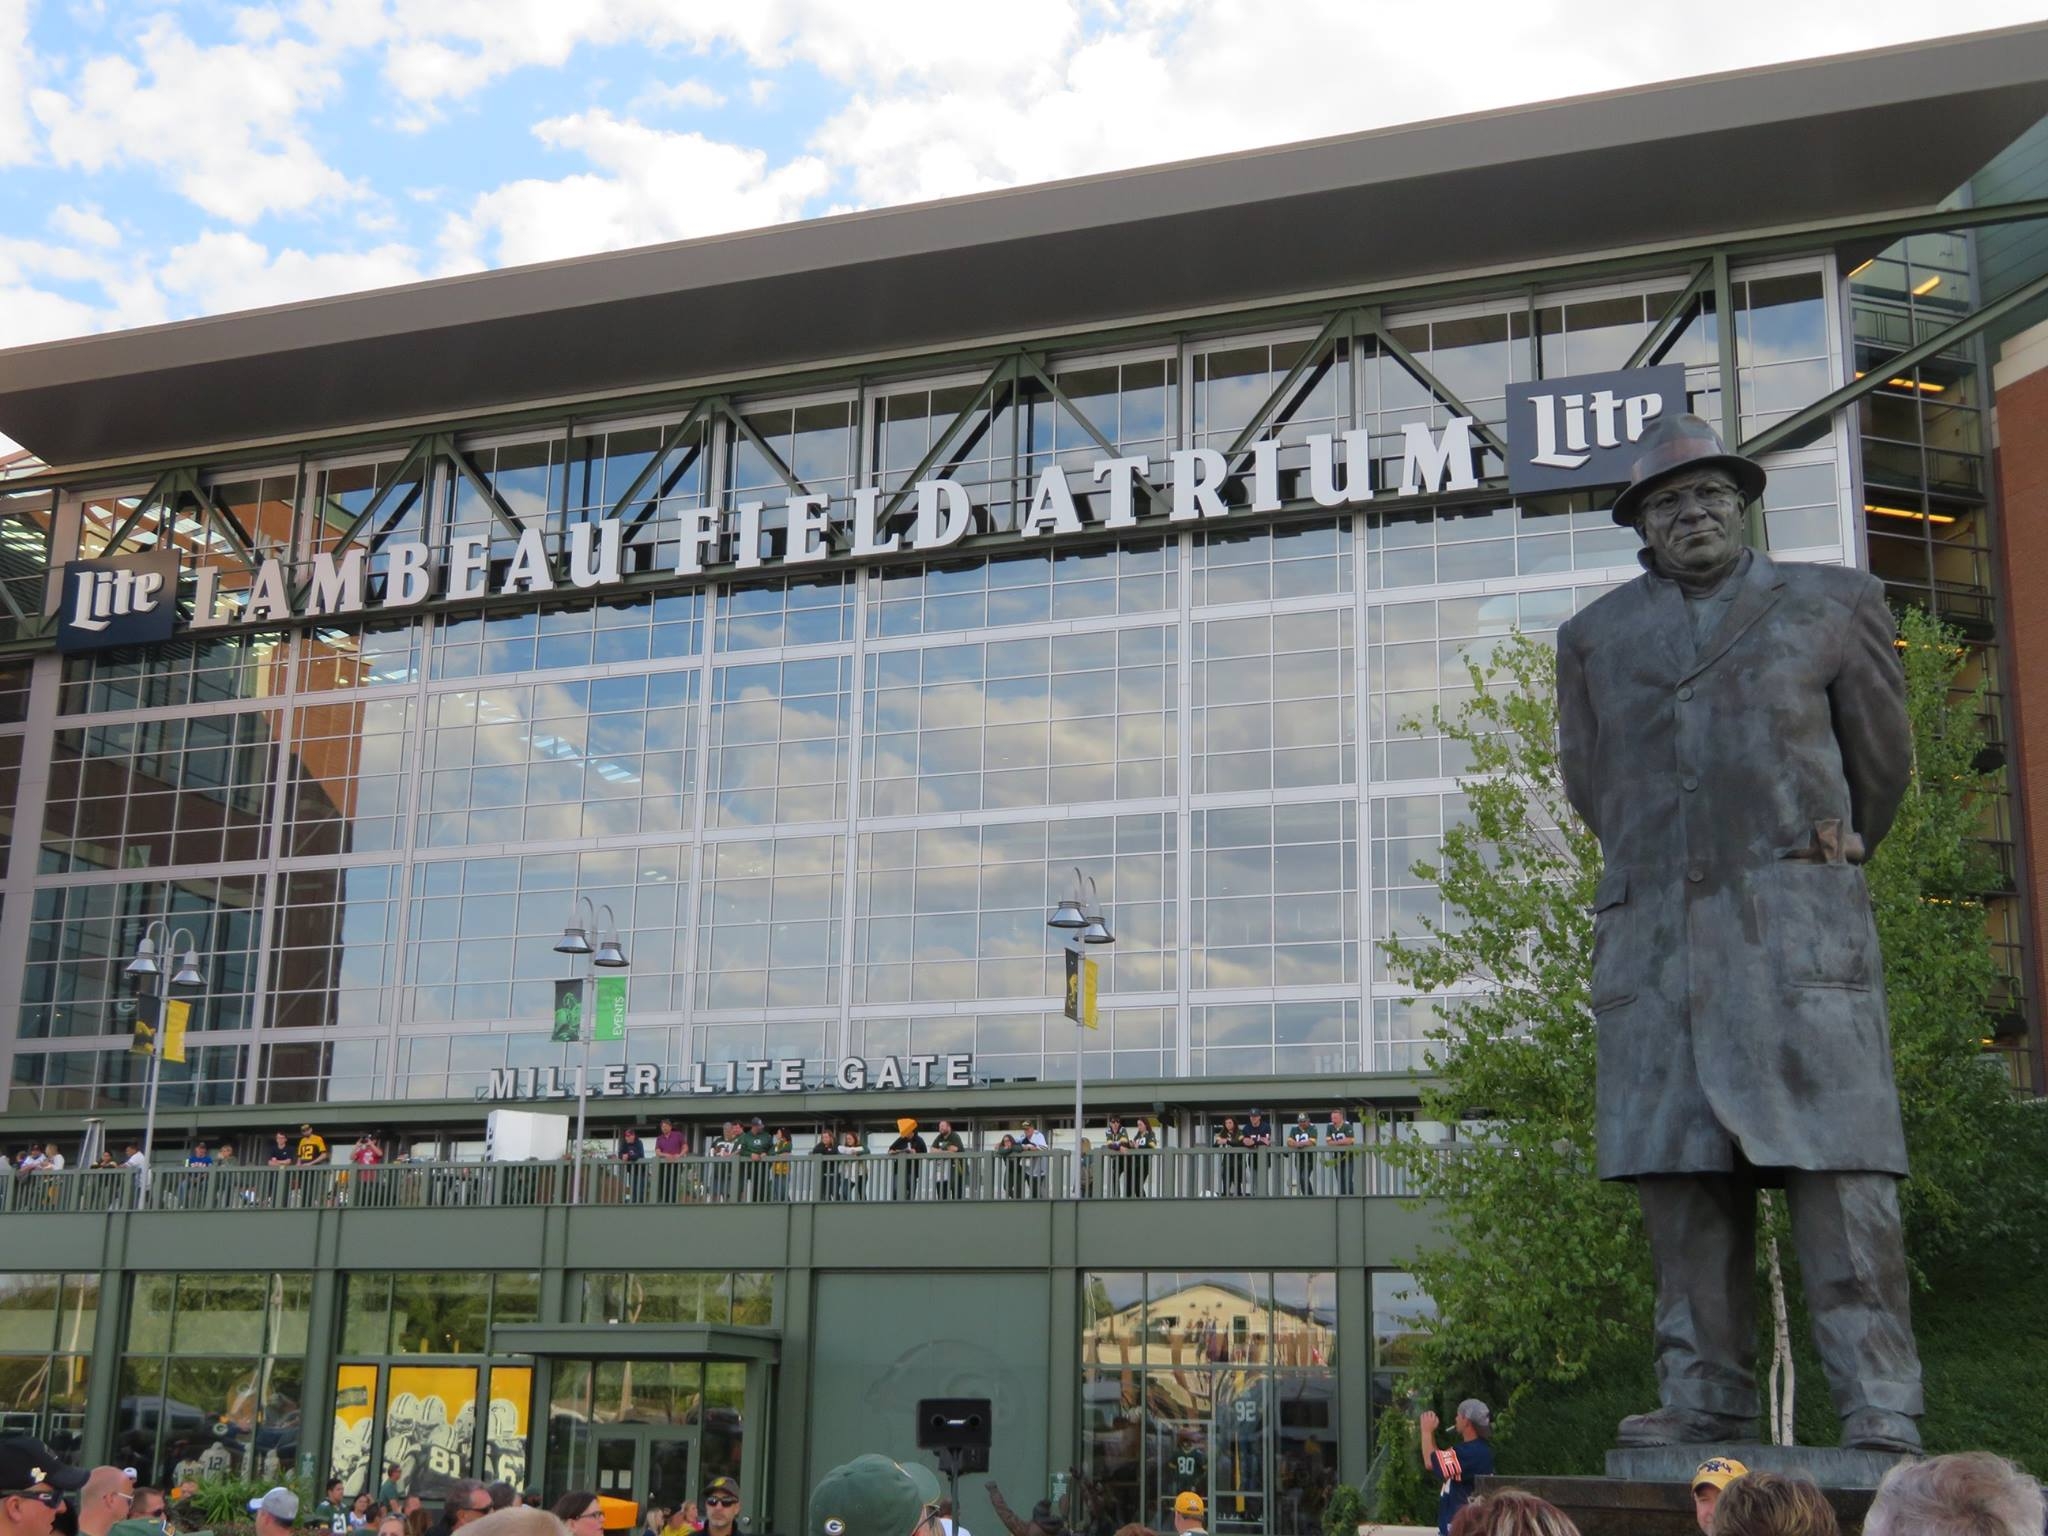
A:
1567,434
125,600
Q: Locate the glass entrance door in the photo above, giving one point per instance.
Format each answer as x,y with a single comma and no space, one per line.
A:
645,1463
1180,1464
670,1456
1238,1451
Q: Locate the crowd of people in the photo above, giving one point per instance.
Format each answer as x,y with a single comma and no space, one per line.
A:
750,1160
1969,1494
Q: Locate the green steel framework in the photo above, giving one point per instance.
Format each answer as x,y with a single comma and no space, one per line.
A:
179,484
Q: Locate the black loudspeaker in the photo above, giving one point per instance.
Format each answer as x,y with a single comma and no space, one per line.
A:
961,1429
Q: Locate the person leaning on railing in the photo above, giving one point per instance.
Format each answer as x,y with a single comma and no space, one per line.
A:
1257,1138
671,1146
1009,1168
908,1146
1032,1147
1143,1145
1116,1141
780,1149
851,1145
1301,1143
1343,1154
1225,1137
632,1157
824,1151
950,1170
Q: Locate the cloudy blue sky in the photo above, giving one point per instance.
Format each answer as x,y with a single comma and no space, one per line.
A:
183,157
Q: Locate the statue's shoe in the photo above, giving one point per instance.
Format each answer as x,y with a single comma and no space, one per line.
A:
1875,1429
1682,1426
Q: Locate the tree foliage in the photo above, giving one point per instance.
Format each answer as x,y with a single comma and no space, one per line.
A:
1927,884
1543,1266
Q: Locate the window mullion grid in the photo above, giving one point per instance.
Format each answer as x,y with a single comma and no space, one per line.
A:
865,472
1184,691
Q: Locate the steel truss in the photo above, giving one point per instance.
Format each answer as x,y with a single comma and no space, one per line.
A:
436,455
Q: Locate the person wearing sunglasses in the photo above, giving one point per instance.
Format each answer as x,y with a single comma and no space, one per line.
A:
581,1513
721,1506
104,1500
33,1483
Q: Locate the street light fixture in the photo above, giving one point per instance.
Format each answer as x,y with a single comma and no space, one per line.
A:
1078,921
575,940
149,962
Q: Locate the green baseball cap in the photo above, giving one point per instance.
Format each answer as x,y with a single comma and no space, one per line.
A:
926,1479
868,1496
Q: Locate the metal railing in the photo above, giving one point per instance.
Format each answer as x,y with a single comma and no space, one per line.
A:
1031,1175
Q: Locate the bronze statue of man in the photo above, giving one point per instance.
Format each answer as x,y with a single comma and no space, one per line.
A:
1734,732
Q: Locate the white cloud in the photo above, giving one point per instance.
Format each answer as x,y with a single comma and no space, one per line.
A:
446,52
17,136
86,225
36,314
226,270
223,122
647,185
50,289
685,93
1174,79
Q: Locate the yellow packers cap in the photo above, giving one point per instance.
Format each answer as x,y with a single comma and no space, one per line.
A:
721,1485
1190,1504
1718,1472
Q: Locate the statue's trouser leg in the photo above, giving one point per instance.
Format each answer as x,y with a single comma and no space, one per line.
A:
1852,1259
1703,1239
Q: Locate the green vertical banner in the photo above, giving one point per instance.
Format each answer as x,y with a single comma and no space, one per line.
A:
568,1012
611,1008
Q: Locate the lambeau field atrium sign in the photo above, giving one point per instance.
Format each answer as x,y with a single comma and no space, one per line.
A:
129,600
1563,434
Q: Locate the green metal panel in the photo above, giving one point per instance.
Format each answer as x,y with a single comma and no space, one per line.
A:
933,1329
877,1305
1311,1233
683,1341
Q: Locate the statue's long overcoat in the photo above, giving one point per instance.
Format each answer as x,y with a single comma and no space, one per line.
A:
1737,988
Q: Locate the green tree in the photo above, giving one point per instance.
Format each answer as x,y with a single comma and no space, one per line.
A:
1927,884
1543,1267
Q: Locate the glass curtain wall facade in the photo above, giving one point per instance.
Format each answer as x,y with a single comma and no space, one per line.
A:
1927,506
46,1331
830,812
212,1375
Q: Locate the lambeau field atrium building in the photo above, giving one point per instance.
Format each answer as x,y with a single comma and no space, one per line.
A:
795,620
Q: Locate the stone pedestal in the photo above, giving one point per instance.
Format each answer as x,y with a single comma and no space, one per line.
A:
1828,1465
1649,1492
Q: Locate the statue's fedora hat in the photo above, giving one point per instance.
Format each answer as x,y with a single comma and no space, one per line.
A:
1682,442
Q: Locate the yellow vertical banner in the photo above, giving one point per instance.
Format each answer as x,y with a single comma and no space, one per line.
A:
430,1423
507,1424
355,1404
1081,984
177,1014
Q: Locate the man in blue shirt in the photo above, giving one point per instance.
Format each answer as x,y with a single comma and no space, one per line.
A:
1460,1466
